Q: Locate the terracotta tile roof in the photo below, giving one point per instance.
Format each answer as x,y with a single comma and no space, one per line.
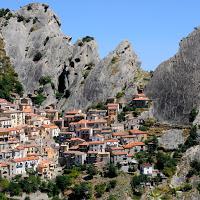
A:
51,126
113,105
141,99
3,100
111,140
133,144
119,133
84,144
95,142
77,139
116,148
73,112
4,164
136,132
118,153
16,160
98,135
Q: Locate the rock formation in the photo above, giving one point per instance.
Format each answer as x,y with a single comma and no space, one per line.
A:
174,87
171,139
38,49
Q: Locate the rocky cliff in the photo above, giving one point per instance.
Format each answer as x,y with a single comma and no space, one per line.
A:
174,87
70,75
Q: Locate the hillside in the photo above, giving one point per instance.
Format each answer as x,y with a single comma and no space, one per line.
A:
174,86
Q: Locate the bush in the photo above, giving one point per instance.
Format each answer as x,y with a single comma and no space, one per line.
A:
91,170
39,99
121,117
193,114
59,95
37,57
87,39
143,128
111,171
120,94
112,197
100,189
20,18
45,80
14,189
63,182
137,180
82,191
9,82
186,187
4,12
114,60
113,183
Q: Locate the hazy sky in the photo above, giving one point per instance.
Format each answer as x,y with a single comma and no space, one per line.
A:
154,27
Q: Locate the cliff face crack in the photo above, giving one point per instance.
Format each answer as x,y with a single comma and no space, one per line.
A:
63,82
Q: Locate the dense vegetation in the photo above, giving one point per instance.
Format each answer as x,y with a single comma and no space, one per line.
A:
9,82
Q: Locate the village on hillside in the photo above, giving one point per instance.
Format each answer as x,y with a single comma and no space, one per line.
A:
107,136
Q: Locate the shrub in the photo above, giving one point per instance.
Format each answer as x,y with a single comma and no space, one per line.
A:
121,116
87,39
91,170
112,197
100,189
45,80
82,191
14,189
63,182
59,95
37,57
39,99
4,12
29,7
120,94
111,171
20,18
143,128
193,114
113,183
114,60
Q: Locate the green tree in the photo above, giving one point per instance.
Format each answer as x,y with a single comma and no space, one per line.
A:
193,114
39,99
14,189
3,196
45,80
4,184
111,171
82,191
91,170
63,182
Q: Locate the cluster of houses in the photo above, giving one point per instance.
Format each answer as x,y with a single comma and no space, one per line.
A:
38,139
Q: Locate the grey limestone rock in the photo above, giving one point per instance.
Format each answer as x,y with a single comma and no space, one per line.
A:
171,139
174,87
38,48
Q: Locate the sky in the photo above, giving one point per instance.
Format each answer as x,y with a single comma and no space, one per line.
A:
154,27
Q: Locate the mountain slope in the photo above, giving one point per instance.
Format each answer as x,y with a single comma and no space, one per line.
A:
175,85
66,74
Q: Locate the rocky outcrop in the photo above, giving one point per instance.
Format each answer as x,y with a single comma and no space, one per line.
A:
174,87
183,167
38,48
171,139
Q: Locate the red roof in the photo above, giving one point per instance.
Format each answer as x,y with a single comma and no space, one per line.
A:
16,160
95,142
118,153
137,132
133,144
